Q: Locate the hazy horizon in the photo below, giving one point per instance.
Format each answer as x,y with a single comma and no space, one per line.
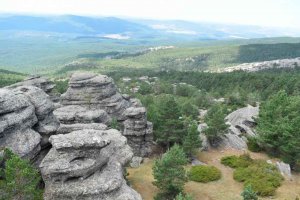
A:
269,13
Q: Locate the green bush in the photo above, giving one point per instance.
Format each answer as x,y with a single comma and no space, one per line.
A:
253,145
18,180
204,173
264,178
237,161
249,194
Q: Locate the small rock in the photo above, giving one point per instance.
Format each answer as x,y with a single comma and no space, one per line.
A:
136,162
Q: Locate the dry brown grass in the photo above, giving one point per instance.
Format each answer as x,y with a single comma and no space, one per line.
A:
224,189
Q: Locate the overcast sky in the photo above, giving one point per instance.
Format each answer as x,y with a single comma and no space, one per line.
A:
280,13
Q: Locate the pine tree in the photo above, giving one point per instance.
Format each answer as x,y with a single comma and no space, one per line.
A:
19,179
216,123
192,140
169,172
279,127
170,127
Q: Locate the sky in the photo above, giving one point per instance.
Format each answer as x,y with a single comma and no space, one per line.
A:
274,13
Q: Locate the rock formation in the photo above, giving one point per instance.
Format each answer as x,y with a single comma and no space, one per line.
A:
26,120
37,81
257,66
87,164
241,124
93,98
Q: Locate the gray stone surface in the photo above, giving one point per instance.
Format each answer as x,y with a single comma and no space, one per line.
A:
205,146
79,114
196,162
241,123
284,169
68,128
87,165
136,162
90,94
26,120
41,82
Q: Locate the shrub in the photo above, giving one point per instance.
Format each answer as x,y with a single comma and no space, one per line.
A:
264,178
204,173
19,180
180,196
237,161
253,145
249,194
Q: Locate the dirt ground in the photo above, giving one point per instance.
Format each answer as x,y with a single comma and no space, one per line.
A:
224,189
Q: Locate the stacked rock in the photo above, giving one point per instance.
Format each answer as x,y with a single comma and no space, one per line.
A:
96,94
26,120
87,164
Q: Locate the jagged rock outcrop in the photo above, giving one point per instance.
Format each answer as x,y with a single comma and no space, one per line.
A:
241,123
87,165
37,81
97,99
26,120
257,66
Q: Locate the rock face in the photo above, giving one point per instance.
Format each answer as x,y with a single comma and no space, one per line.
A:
37,81
93,98
26,120
257,66
284,169
87,164
241,124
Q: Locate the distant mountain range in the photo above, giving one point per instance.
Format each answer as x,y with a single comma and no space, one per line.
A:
124,29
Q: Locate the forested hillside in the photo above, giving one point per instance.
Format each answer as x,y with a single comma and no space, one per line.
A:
9,77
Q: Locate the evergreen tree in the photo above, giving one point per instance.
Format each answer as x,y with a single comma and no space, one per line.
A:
279,126
170,128
19,179
192,140
169,173
216,123
249,194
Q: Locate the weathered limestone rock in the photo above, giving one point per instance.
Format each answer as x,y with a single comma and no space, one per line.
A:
87,164
26,120
68,128
80,114
136,162
241,124
96,99
284,169
205,143
37,81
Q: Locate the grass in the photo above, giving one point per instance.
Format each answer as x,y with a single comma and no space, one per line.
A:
224,189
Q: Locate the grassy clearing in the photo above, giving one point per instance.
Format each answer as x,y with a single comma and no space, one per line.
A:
224,189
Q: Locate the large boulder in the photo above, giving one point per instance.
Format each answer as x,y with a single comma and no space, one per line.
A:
241,123
87,164
26,120
94,98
